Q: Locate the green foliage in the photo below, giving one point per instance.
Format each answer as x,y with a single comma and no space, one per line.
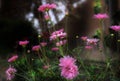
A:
97,33
97,6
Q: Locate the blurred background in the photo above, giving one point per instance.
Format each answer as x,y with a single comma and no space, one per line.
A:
20,20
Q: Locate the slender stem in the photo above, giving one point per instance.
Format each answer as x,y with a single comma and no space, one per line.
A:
102,48
61,50
38,54
44,53
44,56
81,62
22,76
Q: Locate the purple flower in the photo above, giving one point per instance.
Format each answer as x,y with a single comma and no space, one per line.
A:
115,28
68,68
101,16
10,73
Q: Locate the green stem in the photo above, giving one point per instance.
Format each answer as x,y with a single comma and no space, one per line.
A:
61,51
22,76
26,59
44,55
82,64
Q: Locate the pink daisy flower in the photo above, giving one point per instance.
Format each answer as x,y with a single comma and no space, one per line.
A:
46,7
69,72
58,34
13,58
23,43
10,73
36,48
68,68
115,28
101,16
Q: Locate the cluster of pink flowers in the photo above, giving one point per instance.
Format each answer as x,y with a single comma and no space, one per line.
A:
36,48
60,43
69,69
89,42
23,43
46,7
92,41
101,16
58,34
115,28
10,73
13,58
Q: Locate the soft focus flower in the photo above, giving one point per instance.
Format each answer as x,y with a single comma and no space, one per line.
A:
13,58
111,34
60,43
46,7
58,34
39,36
43,44
88,47
23,43
46,66
10,73
36,47
68,68
28,51
92,41
115,28
101,16
47,17
55,49
66,61
84,38
69,72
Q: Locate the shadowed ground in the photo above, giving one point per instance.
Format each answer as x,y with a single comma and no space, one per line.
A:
3,67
